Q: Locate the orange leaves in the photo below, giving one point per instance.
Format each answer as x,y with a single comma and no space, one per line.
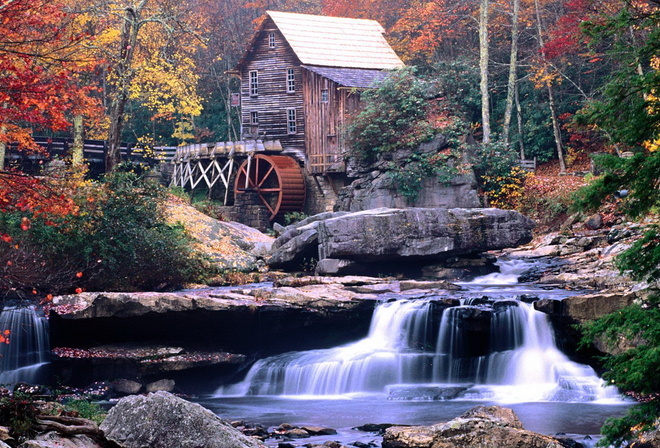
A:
4,337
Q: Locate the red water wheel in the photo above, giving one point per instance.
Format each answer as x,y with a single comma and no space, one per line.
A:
277,180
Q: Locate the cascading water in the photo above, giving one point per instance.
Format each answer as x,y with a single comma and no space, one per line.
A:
495,349
26,354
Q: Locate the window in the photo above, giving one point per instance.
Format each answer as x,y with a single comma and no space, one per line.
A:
291,121
324,95
254,83
290,80
254,117
271,40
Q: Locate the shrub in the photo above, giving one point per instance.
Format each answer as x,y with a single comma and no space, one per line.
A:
498,174
408,177
115,238
395,115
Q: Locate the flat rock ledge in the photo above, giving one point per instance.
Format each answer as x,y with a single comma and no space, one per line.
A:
483,426
343,242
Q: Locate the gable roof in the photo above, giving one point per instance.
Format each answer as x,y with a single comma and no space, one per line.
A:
350,77
335,41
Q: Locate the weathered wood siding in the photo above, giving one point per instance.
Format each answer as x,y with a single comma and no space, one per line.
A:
272,101
325,121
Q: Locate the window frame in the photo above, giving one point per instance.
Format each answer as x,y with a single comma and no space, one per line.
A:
325,96
254,117
271,39
291,117
253,82
290,80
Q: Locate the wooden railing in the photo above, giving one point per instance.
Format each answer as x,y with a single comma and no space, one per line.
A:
94,151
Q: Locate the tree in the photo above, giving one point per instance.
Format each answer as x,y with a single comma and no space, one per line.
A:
483,69
147,47
37,71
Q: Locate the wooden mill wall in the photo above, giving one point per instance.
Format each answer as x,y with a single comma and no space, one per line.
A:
273,100
325,121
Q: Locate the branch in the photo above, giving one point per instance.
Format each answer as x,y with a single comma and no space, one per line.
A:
69,426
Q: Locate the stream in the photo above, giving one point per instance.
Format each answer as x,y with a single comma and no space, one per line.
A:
421,363
428,357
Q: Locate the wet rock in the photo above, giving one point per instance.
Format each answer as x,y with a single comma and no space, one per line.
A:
296,433
406,285
319,430
374,427
487,426
425,393
163,420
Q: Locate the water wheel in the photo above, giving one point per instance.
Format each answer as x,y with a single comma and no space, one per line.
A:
277,180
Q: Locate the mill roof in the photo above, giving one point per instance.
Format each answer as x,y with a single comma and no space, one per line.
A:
335,41
350,77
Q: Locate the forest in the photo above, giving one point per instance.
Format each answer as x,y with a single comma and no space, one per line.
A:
569,82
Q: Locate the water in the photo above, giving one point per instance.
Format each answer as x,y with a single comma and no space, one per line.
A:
421,358
25,357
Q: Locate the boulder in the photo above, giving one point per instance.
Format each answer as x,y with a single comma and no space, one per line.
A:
164,420
483,426
126,387
166,385
393,235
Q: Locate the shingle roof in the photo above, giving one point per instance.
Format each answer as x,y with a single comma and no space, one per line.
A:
335,41
350,77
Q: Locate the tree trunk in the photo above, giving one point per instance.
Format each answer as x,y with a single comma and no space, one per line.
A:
120,78
483,70
551,97
513,65
521,134
77,150
3,149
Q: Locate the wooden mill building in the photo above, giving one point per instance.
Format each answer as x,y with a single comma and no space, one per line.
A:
301,78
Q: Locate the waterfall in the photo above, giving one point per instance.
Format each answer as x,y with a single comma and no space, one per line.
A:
496,349
27,352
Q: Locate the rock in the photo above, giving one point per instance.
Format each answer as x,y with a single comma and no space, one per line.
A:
160,385
406,285
408,437
296,433
592,306
332,266
162,420
594,222
230,245
55,440
126,387
372,185
425,393
483,426
319,430
374,427
384,235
